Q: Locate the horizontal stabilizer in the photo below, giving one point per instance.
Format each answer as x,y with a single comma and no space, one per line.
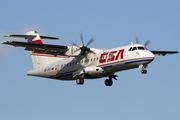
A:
32,36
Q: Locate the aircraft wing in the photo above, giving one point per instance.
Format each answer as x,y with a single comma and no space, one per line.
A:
163,52
41,48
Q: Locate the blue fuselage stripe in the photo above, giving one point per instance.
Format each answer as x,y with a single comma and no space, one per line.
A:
129,62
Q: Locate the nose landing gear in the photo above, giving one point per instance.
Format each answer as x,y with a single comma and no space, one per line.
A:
143,71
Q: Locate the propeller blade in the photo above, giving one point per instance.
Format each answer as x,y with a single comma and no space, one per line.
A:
81,35
93,52
90,41
83,48
77,49
137,40
74,44
147,42
72,50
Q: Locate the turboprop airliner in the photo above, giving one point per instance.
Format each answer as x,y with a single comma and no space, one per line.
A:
81,62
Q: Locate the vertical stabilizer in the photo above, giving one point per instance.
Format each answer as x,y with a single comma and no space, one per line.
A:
35,59
40,59
36,39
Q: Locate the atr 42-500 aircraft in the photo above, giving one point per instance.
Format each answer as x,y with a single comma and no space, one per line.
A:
81,62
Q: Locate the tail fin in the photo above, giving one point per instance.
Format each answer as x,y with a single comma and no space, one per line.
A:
40,59
36,39
35,59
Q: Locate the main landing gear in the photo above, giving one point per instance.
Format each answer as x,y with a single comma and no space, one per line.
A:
80,81
109,82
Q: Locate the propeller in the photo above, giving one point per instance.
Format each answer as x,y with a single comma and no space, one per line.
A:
137,40
147,42
83,48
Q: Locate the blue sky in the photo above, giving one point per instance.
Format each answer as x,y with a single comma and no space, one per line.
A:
112,23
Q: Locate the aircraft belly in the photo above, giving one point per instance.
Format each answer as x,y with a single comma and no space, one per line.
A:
66,73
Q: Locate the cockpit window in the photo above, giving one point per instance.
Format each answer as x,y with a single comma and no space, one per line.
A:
141,48
137,48
134,48
130,49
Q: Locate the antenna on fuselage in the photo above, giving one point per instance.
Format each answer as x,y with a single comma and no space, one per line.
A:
131,43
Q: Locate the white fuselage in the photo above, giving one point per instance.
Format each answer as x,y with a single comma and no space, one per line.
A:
99,64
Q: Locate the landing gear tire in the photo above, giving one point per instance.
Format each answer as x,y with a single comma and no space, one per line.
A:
108,82
144,71
80,81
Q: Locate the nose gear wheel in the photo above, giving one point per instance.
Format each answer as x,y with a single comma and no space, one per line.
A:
144,71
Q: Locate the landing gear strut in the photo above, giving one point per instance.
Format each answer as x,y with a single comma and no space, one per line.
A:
109,82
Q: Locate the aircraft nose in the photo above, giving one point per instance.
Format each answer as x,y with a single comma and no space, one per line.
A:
150,55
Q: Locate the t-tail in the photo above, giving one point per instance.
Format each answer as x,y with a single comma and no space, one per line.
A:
39,58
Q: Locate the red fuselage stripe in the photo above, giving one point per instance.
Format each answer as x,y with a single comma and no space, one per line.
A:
47,55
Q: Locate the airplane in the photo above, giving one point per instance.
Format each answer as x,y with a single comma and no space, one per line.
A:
81,62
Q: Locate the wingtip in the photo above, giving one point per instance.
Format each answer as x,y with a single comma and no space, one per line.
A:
3,42
7,35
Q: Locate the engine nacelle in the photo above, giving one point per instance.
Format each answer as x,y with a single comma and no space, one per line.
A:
94,71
